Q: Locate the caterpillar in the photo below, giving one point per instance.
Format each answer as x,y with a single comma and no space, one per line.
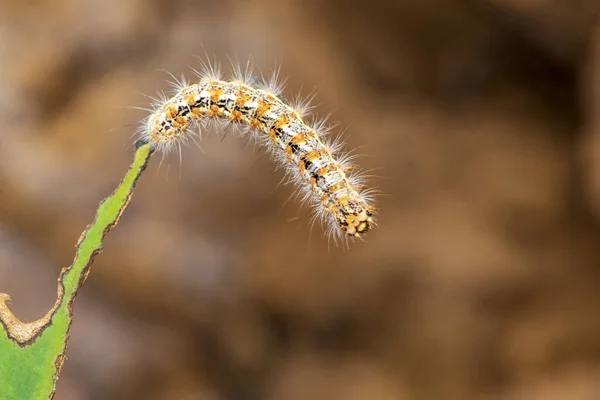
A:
332,184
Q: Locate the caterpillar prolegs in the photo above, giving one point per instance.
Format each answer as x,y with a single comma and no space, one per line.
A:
330,183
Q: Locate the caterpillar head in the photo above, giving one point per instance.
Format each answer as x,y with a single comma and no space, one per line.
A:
357,222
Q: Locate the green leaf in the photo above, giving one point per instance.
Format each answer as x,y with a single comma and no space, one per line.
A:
32,354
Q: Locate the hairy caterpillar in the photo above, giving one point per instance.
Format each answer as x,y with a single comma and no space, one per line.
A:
331,184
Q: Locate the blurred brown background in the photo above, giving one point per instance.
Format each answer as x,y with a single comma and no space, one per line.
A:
481,119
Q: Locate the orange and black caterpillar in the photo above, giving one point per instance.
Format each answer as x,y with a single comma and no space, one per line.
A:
335,191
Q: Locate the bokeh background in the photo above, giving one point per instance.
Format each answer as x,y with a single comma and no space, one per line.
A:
480,119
